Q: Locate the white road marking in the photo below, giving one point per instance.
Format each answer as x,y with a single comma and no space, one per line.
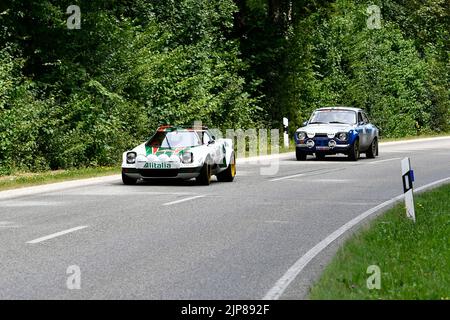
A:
56,187
8,224
276,221
57,234
385,160
114,191
182,200
29,203
281,285
288,177
310,173
331,180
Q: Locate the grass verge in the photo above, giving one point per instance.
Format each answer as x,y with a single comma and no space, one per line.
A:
19,180
414,259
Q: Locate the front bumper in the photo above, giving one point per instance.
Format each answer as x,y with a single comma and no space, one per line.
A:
179,173
322,145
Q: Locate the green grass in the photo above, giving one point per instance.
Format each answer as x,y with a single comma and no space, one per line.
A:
19,180
414,259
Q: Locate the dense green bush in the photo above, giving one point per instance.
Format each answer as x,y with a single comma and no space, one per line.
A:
82,97
324,54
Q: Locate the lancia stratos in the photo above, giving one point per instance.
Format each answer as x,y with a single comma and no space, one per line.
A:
337,130
180,153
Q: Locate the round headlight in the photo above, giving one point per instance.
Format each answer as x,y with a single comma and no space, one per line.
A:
310,143
131,157
301,135
342,136
332,143
187,157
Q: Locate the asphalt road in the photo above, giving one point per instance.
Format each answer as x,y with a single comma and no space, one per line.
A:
223,241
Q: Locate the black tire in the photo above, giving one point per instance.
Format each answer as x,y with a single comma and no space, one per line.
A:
320,156
128,180
300,155
229,173
372,152
204,178
353,153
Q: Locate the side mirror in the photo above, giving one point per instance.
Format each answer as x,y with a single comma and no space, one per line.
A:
304,124
361,123
211,142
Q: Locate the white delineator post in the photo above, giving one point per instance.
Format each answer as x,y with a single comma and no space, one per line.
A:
408,178
285,135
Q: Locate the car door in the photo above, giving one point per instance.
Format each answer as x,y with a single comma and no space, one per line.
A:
213,147
362,130
371,130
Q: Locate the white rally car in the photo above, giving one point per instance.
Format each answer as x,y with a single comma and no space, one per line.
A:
183,153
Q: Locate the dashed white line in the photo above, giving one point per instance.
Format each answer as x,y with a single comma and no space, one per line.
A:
281,285
9,224
331,180
288,177
57,234
182,200
310,173
385,160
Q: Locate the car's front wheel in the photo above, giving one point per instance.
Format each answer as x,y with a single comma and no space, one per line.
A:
300,155
128,180
353,153
229,173
205,175
372,152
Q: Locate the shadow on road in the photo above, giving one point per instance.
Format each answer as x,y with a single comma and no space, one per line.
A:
169,182
331,158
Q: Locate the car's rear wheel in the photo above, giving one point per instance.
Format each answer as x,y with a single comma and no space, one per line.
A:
229,173
205,175
353,153
372,152
300,155
128,180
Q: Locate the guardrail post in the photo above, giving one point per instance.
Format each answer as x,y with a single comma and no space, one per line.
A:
285,135
408,179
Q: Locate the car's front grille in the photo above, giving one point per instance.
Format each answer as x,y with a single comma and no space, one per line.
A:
156,173
321,135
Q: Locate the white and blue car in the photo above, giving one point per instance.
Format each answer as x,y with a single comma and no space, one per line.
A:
337,130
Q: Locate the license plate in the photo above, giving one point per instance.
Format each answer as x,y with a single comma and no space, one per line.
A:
322,148
157,165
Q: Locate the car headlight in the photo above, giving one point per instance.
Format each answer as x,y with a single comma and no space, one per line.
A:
343,136
187,157
301,135
131,157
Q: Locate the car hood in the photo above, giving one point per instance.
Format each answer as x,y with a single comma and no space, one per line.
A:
326,128
143,149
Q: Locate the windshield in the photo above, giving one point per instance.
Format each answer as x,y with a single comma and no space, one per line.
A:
333,116
174,139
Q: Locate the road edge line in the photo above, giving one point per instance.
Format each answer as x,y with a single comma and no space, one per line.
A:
283,283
